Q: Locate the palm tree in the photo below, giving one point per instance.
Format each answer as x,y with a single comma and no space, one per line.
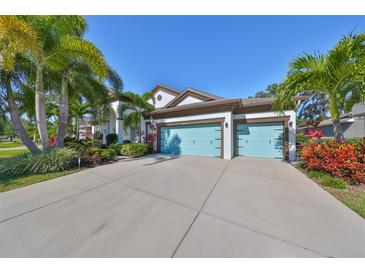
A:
55,34
132,110
16,37
335,74
9,79
78,110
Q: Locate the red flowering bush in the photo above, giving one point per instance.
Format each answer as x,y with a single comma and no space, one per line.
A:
344,160
315,134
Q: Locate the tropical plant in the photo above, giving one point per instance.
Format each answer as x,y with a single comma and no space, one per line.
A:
51,161
78,111
336,74
132,110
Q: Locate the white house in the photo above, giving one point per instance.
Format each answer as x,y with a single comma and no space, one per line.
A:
192,122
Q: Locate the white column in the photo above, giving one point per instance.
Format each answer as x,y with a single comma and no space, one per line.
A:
228,136
292,135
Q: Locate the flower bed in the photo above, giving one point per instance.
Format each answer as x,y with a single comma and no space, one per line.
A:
344,160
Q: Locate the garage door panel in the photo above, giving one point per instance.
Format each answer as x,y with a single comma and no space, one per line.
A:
260,140
200,140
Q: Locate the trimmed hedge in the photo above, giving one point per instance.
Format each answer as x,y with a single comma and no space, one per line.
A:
108,154
116,148
134,150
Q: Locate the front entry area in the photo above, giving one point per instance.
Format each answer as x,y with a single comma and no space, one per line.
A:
197,140
259,140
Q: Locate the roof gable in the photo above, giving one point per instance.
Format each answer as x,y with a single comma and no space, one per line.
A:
166,89
190,92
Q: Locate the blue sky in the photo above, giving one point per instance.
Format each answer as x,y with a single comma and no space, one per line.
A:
230,56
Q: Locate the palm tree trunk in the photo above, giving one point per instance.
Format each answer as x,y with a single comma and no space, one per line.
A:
16,121
40,109
335,114
77,128
63,116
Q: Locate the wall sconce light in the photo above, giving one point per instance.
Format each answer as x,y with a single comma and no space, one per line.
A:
226,125
290,123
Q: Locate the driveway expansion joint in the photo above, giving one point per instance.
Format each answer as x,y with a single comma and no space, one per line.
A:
262,233
70,196
200,210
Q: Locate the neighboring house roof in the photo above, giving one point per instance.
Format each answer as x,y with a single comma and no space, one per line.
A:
343,120
358,109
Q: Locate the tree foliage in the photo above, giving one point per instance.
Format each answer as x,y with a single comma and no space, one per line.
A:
337,74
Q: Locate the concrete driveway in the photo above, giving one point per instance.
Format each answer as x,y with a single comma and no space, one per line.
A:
163,206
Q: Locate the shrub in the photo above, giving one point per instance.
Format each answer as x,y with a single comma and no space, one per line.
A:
108,154
134,150
90,156
79,144
111,138
344,160
303,139
116,148
98,136
52,161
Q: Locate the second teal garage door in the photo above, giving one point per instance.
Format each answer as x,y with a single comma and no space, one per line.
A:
260,140
198,140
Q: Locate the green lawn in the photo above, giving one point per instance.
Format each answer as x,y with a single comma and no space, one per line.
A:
12,152
20,181
10,145
354,199
352,196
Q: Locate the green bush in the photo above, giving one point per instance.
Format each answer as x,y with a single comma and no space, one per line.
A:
303,139
134,150
116,148
108,154
52,161
98,136
111,138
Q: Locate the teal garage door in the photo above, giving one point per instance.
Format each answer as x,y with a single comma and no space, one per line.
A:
199,140
260,140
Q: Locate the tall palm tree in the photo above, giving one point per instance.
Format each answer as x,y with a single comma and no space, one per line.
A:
335,74
54,35
132,110
8,80
16,37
